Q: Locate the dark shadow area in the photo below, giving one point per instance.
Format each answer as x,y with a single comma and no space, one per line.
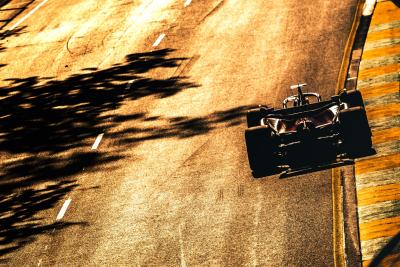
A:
287,172
45,123
4,2
181,127
311,159
19,220
4,38
324,163
362,32
315,167
396,2
389,255
40,115
47,127
14,33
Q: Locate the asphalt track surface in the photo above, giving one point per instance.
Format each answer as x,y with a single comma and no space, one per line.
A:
162,86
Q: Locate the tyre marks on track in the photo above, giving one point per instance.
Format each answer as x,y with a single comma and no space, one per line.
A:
220,195
213,11
240,190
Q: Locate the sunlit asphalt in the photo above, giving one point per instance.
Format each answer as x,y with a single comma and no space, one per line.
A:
121,132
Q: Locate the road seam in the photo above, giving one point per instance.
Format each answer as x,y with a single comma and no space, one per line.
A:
338,204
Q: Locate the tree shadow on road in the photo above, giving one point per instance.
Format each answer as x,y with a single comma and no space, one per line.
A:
60,115
182,127
47,127
19,220
4,35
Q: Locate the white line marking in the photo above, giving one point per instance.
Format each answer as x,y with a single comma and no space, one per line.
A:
129,85
256,223
39,263
183,262
187,2
352,78
159,39
97,142
28,15
369,7
63,209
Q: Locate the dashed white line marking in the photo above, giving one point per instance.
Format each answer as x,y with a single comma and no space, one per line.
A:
28,15
352,78
97,142
129,85
63,209
183,262
187,2
39,263
159,39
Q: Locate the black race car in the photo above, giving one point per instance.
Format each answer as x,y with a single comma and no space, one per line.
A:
306,131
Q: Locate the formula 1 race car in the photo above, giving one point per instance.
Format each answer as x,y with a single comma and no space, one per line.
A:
306,131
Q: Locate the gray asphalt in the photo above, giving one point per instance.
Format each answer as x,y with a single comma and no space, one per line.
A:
169,183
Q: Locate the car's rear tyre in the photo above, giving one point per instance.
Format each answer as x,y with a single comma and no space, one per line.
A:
355,131
260,151
353,98
255,115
